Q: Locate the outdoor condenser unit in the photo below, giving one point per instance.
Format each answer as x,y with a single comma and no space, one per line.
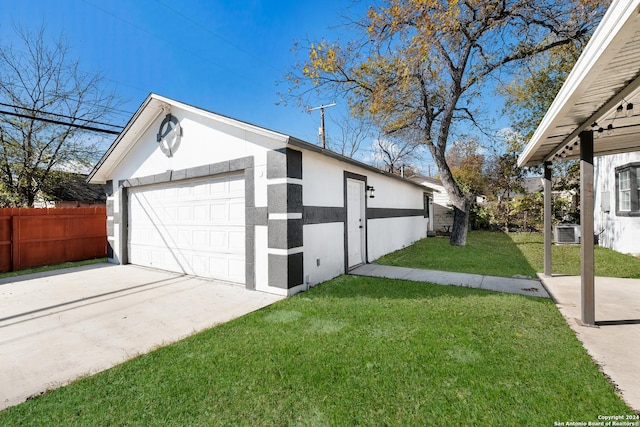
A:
566,234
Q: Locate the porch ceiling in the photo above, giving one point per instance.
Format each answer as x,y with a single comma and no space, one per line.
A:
605,77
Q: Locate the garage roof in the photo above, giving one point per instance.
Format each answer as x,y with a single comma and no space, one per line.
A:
602,89
155,105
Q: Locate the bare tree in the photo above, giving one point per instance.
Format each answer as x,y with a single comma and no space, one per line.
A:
44,97
353,132
422,65
396,153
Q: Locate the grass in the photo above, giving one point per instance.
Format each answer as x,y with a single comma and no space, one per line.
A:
52,267
353,351
501,254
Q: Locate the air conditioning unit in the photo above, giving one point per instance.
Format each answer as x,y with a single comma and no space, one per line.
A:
566,234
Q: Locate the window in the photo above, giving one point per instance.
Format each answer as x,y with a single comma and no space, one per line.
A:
628,190
624,191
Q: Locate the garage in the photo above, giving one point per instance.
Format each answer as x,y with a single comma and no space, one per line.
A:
197,193
193,227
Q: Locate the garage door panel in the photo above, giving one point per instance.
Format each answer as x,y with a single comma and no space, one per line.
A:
192,227
201,213
236,267
236,187
236,241
236,211
219,211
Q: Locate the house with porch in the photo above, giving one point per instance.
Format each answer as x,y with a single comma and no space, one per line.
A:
595,114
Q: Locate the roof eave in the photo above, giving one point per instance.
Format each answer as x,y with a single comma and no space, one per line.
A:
604,44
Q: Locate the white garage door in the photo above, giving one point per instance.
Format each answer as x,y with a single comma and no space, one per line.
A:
191,227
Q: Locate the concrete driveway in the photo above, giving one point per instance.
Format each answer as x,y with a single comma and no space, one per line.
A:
61,325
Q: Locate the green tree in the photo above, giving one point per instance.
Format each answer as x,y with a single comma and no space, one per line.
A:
41,81
421,65
528,99
505,178
467,166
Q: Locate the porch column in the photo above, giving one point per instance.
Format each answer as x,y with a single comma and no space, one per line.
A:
586,223
547,218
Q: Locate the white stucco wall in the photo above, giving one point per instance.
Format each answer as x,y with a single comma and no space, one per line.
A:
619,233
323,252
390,234
323,185
262,259
204,141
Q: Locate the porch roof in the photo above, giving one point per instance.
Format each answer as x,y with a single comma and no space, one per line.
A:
605,78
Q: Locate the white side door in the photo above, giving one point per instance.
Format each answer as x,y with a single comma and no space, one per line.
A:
356,222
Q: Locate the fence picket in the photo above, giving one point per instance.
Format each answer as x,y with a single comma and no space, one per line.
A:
35,237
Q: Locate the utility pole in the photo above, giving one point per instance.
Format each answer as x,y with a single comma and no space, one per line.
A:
321,130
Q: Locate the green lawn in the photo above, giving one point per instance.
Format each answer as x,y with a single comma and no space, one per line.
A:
501,254
353,351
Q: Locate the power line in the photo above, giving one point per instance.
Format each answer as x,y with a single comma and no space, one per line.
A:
61,115
94,104
58,122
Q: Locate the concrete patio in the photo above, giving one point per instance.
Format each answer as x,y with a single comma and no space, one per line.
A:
614,343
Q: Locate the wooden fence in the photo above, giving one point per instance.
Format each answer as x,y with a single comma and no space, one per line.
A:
36,237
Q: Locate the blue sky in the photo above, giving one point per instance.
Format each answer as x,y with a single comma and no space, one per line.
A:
223,56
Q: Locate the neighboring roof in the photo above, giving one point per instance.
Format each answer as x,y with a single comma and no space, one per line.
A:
606,75
421,179
73,187
154,105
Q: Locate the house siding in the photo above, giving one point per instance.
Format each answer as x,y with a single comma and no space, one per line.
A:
615,232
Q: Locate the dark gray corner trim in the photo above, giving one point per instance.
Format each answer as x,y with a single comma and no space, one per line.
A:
256,216
352,175
284,163
294,163
286,271
234,165
124,226
110,207
323,214
109,187
426,197
251,218
285,233
249,264
377,213
110,251
284,198
249,189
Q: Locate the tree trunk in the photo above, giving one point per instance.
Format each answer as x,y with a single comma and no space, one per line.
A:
460,226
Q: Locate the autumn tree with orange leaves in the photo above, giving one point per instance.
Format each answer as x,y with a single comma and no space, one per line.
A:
420,65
